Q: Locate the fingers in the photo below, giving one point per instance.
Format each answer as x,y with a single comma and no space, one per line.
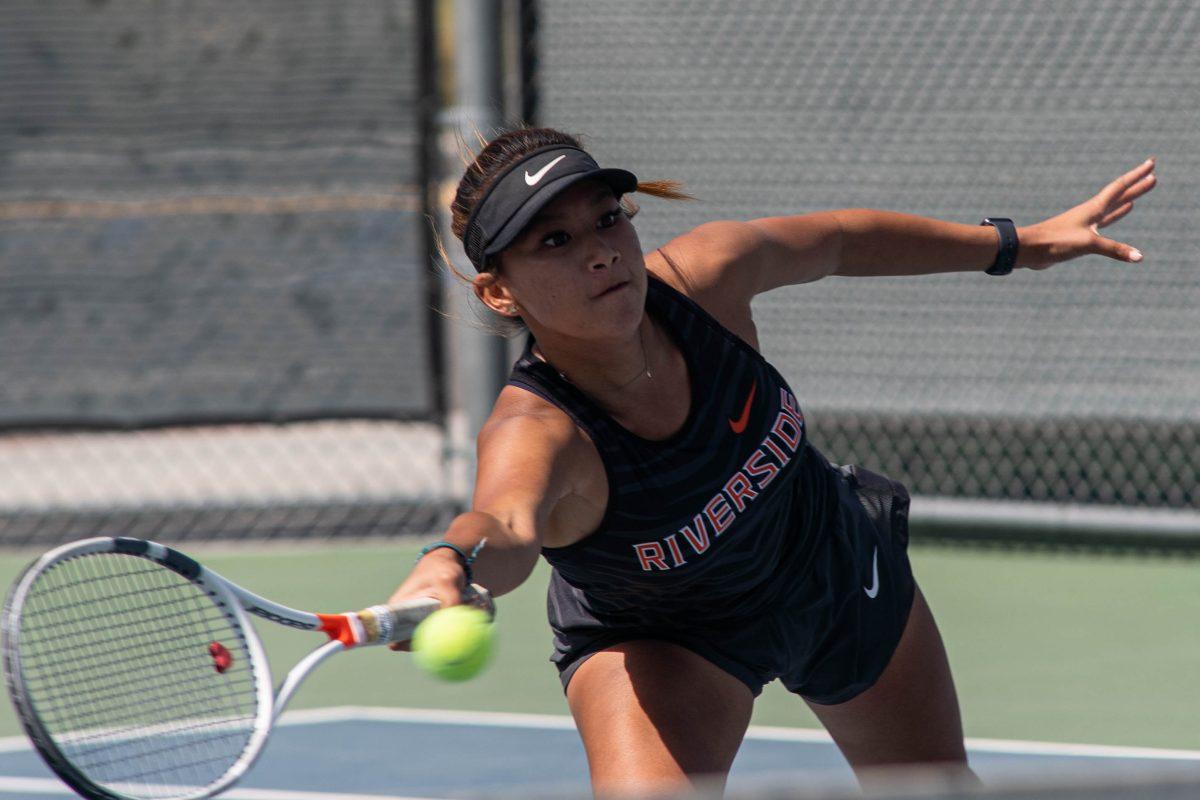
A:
438,574
1118,251
406,644
1130,186
450,594
1113,216
480,598
1139,188
446,597
1116,202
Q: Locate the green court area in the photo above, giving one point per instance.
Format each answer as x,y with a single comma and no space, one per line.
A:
1045,646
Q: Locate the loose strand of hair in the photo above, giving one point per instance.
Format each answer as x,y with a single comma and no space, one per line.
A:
494,324
443,260
667,190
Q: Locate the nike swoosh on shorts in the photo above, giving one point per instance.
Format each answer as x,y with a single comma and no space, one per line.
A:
874,588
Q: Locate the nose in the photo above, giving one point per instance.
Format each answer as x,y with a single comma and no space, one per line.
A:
602,254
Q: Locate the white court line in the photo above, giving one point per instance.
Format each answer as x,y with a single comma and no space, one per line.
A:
51,786
497,719
432,716
14,744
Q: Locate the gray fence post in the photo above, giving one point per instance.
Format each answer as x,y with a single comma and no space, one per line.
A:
476,362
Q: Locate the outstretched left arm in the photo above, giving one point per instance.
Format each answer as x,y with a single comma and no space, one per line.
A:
743,259
885,243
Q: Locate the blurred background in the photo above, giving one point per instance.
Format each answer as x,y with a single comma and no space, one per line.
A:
223,324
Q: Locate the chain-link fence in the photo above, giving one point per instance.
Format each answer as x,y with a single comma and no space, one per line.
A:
1080,384
210,213
357,478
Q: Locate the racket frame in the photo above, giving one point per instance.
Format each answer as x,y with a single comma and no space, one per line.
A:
375,625
218,589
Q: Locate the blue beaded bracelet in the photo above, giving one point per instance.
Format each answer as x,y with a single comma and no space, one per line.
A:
467,560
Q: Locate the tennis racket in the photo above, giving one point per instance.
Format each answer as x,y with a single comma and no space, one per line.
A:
137,674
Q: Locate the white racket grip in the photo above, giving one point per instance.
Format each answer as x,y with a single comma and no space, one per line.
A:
395,622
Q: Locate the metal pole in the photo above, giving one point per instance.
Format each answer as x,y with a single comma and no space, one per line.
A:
476,361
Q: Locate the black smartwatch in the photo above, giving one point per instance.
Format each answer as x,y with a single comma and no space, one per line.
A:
1007,257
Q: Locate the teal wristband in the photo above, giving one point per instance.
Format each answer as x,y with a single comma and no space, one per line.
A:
467,560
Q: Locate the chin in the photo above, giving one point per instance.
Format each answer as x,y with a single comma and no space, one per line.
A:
630,303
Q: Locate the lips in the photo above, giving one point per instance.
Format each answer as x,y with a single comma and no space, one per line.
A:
616,287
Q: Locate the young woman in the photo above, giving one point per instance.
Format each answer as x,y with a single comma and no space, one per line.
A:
701,546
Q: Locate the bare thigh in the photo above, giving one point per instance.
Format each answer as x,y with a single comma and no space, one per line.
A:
656,716
910,716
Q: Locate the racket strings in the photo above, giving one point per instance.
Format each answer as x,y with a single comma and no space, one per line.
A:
75,744
109,707
166,660
193,610
156,599
115,657
104,722
112,717
121,745
147,645
155,755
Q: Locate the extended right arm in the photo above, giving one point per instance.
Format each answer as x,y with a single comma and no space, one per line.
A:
524,470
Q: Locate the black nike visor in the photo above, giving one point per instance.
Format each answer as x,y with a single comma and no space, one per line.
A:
524,189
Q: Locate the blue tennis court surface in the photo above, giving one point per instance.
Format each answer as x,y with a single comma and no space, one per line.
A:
374,753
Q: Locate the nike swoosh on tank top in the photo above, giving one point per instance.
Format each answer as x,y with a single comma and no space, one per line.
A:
709,524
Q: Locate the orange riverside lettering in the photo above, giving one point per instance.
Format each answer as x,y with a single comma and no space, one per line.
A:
766,471
698,540
723,508
719,513
676,553
788,403
739,491
783,457
650,554
782,422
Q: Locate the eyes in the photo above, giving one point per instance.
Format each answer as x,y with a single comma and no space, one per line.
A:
560,238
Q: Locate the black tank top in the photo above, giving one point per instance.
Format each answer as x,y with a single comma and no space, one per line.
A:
716,522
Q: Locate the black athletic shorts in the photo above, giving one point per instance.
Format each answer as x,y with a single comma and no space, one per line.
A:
835,640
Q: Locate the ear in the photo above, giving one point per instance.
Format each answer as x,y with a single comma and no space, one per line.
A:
494,294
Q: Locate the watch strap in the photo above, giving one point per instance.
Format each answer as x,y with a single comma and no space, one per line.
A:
1006,259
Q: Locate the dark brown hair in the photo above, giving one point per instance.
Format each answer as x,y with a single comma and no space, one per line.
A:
506,150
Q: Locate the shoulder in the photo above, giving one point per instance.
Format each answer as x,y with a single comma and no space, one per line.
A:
538,423
714,265
531,453
738,260
715,258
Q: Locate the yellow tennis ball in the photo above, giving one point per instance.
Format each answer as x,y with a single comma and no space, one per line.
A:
453,643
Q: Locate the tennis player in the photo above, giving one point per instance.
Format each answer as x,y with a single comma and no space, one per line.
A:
701,547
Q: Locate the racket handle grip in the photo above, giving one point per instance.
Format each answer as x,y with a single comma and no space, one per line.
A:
395,622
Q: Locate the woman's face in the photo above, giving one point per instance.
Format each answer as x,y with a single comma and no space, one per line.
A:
562,269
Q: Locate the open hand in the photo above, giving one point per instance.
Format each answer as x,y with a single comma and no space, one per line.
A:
1076,232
